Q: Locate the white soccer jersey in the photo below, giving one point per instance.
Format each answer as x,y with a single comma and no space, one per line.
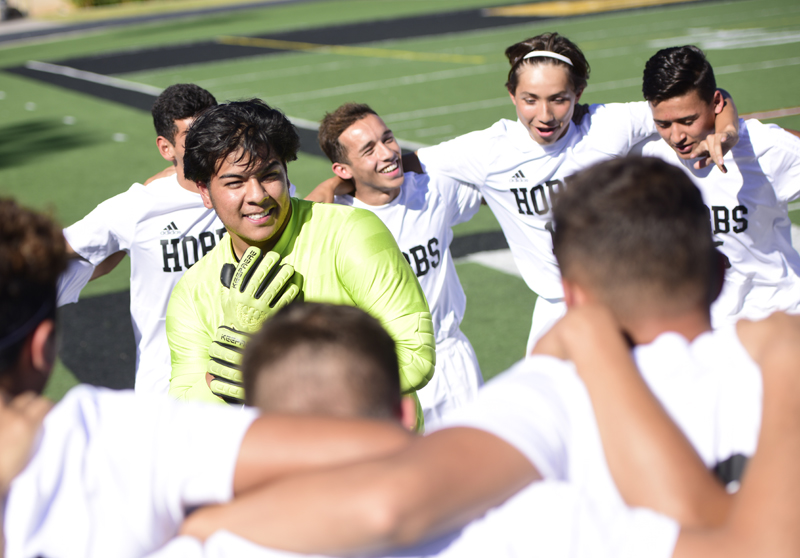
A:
421,218
72,281
749,219
520,179
165,229
114,473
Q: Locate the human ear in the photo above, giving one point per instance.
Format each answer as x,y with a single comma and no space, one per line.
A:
43,347
166,149
408,412
204,193
342,171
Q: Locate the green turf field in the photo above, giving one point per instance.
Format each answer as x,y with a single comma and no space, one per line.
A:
66,152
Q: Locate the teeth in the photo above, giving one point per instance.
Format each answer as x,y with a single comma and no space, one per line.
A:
390,168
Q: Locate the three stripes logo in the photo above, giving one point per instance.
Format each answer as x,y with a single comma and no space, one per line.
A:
170,229
518,177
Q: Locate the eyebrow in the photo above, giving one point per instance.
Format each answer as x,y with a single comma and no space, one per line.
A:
267,167
688,117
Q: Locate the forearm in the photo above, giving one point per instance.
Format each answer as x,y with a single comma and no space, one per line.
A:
435,485
652,462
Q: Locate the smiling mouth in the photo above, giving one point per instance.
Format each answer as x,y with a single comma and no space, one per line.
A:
261,215
390,168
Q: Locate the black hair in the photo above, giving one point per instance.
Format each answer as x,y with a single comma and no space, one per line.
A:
333,126
177,102
259,131
677,71
307,347
550,42
633,228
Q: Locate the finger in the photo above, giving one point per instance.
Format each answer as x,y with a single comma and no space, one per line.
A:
267,271
702,163
291,293
227,355
223,370
229,392
242,274
229,336
276,284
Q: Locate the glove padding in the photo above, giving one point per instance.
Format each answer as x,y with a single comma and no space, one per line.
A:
252,288
256,284
225,361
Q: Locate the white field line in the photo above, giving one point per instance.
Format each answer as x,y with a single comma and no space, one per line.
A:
94,78
500,260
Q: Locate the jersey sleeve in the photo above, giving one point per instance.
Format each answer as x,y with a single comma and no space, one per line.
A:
783,159
618,127
380,282
527,411
463,158
189,341
72,281
108,228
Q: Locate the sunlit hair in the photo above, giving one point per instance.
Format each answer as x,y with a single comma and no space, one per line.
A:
677,71
333,126
178,102
550,42
258,130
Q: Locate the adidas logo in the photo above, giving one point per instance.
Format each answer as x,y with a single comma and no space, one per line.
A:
172,228
518,177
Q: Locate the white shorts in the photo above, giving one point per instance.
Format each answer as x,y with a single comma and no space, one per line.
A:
455,381
546,313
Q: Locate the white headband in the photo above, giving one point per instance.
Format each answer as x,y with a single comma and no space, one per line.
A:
547,54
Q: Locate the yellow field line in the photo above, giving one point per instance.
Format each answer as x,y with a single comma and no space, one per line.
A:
353,51
574,7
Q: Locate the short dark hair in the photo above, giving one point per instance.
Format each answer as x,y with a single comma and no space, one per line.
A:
636,231
260,131
176,102
333,126
673,72
550,42
310,350
32,255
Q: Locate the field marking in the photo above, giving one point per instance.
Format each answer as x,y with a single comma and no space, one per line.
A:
575,7
369,52
383,83
772,113
727,39
92,77
500,260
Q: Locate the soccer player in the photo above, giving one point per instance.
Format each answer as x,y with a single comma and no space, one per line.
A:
113,473
237,154
646,255
419,210
164,227
519,166
323,359
747,204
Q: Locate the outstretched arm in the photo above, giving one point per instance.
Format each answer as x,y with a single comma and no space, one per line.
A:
652,462
435,485
327,189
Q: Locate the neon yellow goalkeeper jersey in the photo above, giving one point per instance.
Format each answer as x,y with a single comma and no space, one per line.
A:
344,256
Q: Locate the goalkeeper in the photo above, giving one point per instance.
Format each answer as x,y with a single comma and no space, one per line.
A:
237,154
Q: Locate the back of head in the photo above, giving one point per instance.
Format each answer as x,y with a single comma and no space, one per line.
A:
553,43
178,102
32,255
334,124
635,231
259,131
677,71
323,359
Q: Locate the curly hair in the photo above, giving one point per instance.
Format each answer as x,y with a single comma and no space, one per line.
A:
259,131
176,102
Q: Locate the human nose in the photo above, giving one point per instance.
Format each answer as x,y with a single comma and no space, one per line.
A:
254,190
384,152
677,134
545,113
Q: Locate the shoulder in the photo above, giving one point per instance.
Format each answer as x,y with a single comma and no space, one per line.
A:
765,137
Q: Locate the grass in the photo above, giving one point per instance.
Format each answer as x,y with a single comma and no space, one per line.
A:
67,152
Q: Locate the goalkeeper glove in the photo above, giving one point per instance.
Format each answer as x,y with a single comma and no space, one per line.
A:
257,288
